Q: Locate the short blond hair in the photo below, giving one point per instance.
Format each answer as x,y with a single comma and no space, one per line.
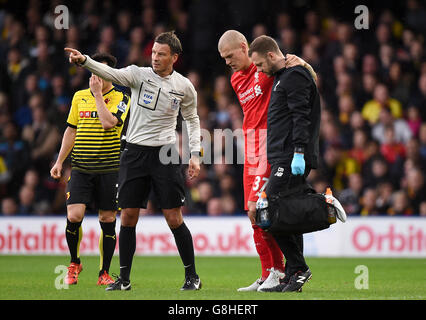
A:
231,37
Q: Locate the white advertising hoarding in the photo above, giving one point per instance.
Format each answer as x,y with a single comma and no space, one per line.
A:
358,237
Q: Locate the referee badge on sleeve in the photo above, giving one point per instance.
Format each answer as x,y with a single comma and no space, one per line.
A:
174,103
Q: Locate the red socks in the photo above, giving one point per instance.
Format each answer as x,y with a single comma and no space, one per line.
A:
275,253
269,253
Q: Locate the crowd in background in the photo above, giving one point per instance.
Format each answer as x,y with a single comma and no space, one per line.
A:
372,84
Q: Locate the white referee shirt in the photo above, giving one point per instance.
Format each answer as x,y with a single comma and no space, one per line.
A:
154,104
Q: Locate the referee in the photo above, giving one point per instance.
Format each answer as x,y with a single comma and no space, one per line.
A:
292,142
93,134
158,92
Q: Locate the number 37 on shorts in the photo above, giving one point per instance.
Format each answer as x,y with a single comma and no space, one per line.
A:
259,184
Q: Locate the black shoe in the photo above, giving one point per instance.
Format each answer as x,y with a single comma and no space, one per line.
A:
119,284
297,281
192,283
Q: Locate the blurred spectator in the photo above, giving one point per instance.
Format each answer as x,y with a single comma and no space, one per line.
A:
351,56
414,120
338,166
370,65
259,30
359,146
312,25
391,149
400,205
26,200
43,138
344,34
329,133
345,85
376,171
227,184
41,194
384,196
29,88
346,108
320,185
411,160
415,188
399,83
381,99
423,209
414,15
368,202
229,205
5,176
419,96
416,53
9,207
17,67
288,40
310,55
369,82
350,197
201,196
422,138
401,130
73,37
16,155
358,122
214,207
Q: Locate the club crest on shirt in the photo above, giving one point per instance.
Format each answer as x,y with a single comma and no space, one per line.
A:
256,77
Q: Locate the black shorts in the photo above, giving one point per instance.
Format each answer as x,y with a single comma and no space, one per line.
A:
142,171
97,189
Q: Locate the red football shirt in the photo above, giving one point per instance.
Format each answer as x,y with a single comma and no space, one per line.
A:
254,92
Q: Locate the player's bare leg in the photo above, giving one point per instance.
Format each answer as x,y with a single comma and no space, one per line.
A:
183,239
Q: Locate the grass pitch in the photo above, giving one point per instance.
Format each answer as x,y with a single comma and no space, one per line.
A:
159,278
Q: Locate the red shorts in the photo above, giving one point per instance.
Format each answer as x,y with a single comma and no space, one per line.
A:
254,181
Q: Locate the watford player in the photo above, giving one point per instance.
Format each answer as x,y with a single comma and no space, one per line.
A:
253,90
93,134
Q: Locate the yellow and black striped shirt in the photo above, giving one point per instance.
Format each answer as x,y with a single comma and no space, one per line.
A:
96,150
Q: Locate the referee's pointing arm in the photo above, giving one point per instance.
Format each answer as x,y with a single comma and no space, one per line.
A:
124,77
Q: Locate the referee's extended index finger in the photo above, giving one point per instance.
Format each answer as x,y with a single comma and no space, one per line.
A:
71,50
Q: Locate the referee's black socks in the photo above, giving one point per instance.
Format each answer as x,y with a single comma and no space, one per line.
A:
127,247
73,234
107,242
183,239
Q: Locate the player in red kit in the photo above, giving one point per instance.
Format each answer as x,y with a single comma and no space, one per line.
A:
253,91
